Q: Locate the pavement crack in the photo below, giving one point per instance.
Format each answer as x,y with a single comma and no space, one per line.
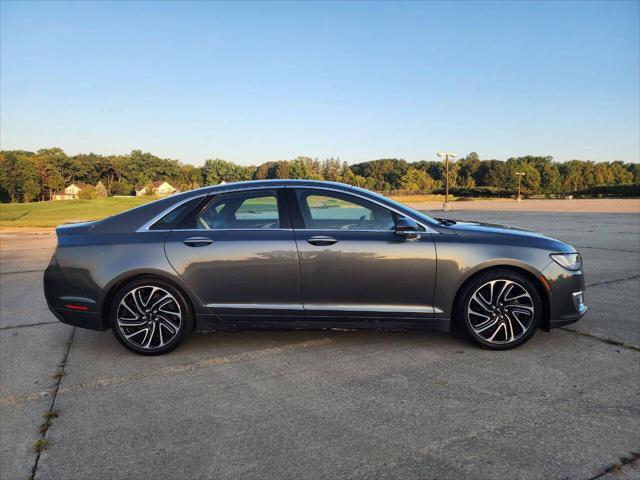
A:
171,370
42,441
607,340
198,365
607,249
634,457
21,271
633,277
10,327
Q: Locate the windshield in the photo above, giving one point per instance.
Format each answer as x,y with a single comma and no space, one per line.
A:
398,205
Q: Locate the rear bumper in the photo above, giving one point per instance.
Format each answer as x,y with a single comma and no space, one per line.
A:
66,303
90,320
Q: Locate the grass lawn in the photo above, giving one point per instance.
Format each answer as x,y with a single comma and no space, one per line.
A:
51,214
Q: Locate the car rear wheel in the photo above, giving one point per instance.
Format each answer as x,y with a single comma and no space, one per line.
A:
150,316
500,309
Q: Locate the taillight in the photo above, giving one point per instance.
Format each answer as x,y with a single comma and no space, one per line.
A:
71,306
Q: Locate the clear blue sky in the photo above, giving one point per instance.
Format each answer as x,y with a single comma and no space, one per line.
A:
251,82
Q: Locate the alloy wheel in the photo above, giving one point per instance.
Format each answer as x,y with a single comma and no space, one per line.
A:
149,317
500,311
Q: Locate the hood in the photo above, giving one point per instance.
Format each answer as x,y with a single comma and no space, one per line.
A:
510,235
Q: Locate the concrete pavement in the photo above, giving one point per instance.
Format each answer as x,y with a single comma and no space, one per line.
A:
331,404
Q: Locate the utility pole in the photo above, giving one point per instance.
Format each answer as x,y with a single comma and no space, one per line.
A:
520,175
446,155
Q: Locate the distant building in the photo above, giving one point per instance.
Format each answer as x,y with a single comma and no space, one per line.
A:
69,193
101,190
160,187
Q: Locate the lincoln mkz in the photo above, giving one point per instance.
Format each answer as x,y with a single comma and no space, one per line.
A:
306,255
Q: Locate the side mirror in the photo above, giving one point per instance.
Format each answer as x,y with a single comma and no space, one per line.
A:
407,228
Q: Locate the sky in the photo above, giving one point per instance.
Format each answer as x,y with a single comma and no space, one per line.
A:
252,82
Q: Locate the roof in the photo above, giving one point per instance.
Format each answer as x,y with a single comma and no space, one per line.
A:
155,184
275,183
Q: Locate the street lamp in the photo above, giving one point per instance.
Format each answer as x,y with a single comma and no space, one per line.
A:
520,175
446,155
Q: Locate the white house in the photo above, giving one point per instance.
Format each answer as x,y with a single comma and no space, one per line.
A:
160,187
70,192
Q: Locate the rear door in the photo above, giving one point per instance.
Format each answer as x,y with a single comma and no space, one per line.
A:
353,264
238,254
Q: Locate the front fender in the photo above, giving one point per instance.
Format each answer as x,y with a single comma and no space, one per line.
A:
458,262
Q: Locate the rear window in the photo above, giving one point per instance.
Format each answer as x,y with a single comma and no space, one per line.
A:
243,210
174,216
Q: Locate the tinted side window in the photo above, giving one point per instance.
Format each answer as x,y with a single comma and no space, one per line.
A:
333,210
241,210
170,219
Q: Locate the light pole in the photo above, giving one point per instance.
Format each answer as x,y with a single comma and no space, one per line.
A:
446,155
520,175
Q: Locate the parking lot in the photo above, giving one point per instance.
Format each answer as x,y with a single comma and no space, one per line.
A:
330,404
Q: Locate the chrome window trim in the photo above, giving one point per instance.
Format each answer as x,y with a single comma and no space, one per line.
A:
146,227
427,228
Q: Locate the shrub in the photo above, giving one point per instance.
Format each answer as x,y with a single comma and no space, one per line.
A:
623,190
122,188
88,193
486,192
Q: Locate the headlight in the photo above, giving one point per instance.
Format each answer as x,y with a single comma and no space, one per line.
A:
570,261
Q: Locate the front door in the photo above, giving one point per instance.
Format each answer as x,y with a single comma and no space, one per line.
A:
238,254
353,264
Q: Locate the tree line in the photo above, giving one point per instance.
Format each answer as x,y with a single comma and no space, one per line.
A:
29,176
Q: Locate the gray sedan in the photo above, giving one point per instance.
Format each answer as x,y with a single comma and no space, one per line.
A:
306,254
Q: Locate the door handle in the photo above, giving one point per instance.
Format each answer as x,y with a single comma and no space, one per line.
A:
321,240
197,242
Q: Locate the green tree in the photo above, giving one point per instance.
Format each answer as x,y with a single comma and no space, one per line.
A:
190,177
384,174
332,170
634,168
216,171
550,179
417,180
531,181
9,186
571,172
30,190
467,168
305,168
27,178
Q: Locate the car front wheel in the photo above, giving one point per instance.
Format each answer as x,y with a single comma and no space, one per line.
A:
500,309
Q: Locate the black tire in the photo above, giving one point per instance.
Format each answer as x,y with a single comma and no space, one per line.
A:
173,314
504,320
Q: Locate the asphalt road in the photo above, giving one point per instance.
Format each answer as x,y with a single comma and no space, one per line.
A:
297,405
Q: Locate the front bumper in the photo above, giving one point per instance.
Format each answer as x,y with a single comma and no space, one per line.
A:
566,296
